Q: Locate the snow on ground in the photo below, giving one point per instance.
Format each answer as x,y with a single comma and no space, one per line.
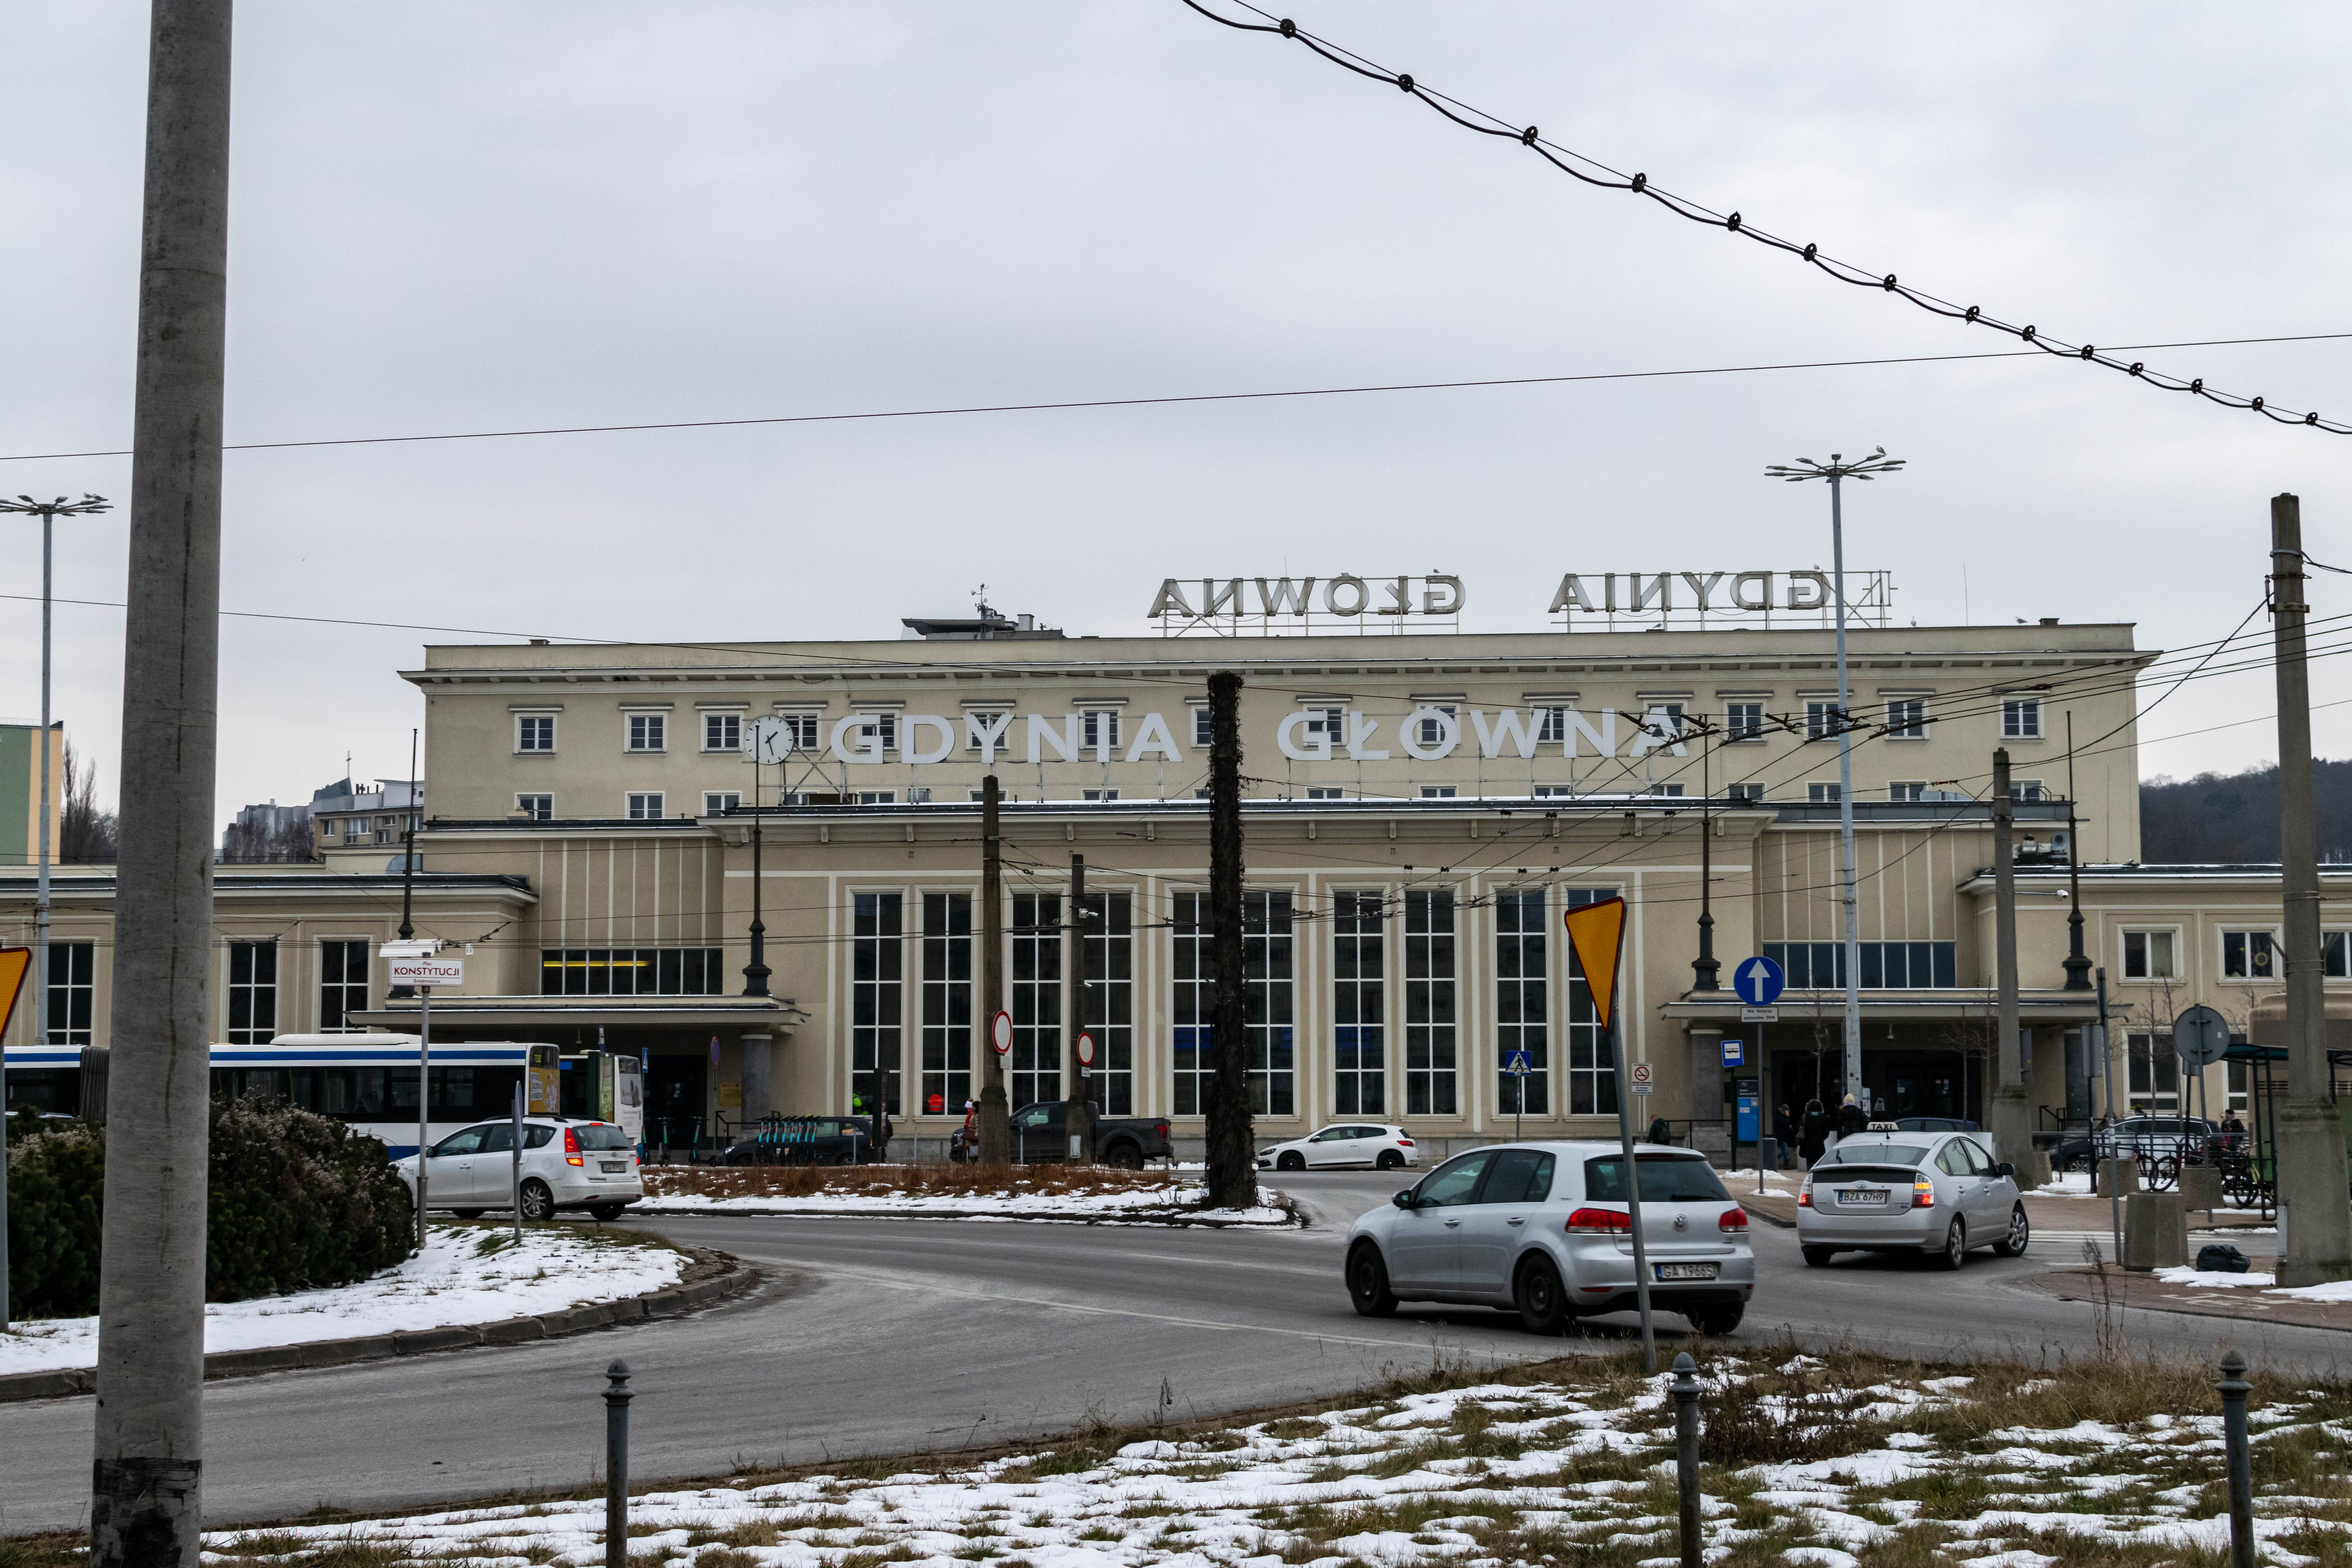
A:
467,1274
2334,1291
2066,1184
1575,1467
1157,1203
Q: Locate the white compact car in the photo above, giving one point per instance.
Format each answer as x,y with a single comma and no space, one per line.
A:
566,1164
1368,1143
1546,1227
1887,1190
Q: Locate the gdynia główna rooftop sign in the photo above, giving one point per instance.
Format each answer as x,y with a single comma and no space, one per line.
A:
1349,604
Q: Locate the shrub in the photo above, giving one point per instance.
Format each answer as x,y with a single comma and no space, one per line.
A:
296,1201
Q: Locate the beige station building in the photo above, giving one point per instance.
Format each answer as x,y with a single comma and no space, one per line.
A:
1421,808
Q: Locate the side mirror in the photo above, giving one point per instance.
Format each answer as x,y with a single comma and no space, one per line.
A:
1403,1198
2006,1169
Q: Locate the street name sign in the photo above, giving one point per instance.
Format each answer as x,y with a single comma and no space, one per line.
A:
427,971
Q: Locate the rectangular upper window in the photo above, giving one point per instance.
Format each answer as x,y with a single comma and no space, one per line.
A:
2020,718
2335,950
1906,719
648,732
715,801
2025,790
1437,792
2151,956
1822,795
1907,789
534,731
800,731
1746,792
1201,727
644,806
2249,955
722,732
1098,727
537,808
1743,721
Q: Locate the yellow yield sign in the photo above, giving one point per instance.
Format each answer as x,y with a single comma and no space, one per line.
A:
15,962
1597,933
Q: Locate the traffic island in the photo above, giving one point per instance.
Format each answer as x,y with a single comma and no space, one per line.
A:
566,1278
1050,1194
2250,1296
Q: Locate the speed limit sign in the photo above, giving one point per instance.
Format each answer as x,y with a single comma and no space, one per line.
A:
1000,1032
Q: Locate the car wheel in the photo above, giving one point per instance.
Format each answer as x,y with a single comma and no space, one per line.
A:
1368,1283
1716,1320
1819,1257
1290,1160
1956,1246
1542,1298
538,1202
2020,1231
467,1214
605,1211
1391,1160
1125,1157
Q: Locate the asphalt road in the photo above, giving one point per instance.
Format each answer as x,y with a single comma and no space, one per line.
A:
901,1336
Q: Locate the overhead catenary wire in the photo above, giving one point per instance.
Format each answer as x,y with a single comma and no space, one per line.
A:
1170,399
1578,164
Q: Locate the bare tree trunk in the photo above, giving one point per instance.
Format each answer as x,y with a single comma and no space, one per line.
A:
1233,1151
148,1455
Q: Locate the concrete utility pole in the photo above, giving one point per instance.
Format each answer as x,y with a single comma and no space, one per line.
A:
147,1458
1080,1123
995,1116
2314,1217
2010,1114
1232,1152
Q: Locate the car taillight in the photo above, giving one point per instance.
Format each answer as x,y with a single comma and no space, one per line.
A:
1733,1220
1159,1130
1600,1222
1923,1194
571,1147
1405,1143
1805,1195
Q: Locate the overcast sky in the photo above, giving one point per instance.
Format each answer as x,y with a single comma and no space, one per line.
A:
454,217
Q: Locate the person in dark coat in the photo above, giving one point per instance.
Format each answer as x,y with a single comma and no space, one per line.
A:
1784,1132
1659,1131
1851,1118
1813,1136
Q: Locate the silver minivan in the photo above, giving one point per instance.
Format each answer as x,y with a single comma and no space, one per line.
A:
1546,1228
1890,1190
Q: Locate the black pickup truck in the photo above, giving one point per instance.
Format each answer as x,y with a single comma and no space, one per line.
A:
1041,1132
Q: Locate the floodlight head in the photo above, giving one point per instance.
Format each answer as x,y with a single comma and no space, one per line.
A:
26,505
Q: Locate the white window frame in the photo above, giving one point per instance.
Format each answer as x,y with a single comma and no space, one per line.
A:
1098,795
1746,792
715,801
534,720
1743,722
1820,791
644,804
2123,954
1906,718
1907,789
1325,792
2277,950
2021,718
1438,792
1819,723
646,734
802,728
1200,724
1093,722
985,715
524,801
2027,792
722,723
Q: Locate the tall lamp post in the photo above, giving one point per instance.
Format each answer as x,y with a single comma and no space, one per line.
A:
1837,470
48,512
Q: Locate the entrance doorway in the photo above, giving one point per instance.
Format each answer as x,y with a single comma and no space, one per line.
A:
675,1090
1923,1083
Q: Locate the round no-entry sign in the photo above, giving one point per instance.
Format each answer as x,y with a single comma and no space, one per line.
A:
1085,1050
1000,1032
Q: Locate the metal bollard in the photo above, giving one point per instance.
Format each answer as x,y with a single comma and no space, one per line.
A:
2234,1389
1685,1387
616,1465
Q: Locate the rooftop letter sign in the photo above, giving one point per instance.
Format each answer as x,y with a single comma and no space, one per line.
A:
1661,597
1272,606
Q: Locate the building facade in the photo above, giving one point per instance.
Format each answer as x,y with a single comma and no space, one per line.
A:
1420,811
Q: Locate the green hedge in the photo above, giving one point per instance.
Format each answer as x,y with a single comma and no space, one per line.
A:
296,1202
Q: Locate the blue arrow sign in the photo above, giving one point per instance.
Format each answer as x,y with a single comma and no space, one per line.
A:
1515,1063
1759,982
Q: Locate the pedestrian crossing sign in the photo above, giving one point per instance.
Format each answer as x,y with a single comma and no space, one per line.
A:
1516,1064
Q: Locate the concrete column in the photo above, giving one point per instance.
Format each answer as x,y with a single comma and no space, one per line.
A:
758,1077
1707,1092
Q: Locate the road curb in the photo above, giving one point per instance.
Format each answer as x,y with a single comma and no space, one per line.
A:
733,1277
1177,1221
1756,1207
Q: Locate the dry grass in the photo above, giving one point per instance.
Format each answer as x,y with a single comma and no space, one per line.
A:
883,1181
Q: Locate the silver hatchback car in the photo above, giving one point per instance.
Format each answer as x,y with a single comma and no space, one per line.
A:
1889,1191
1545,1227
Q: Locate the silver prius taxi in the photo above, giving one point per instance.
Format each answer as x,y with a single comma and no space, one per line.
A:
1544,1228
1884,1190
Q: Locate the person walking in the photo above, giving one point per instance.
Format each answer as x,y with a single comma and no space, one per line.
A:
1784,1133
1814,1134
1851,1118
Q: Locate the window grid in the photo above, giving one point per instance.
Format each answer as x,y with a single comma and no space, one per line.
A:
1746,792
715,801
1110,1014
1906,719
648,732
537,808
644,806
1743,721
800,731
1098,727
630,971
1036,999
535,732
1267,977
342,985
252,992
2156,955
722,732
2021,718
1202,727
1429,1004
1591,1059
1522,1003
1885,966
73,993
947,1003
876,998
1358,1003
1821,794
2249,955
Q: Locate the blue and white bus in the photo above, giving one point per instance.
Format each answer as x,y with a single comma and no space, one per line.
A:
366,1081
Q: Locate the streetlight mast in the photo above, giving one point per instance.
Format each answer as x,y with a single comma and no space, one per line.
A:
1837,470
